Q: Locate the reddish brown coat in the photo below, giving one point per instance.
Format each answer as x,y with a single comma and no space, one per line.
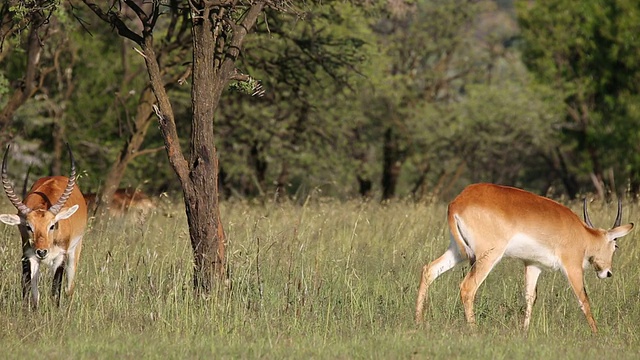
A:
488,222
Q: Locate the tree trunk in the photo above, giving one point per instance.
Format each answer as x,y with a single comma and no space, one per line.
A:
392,163
216,44
454,179
201,198
260,166
281,183
198,175
362,154
568,179
364,186
419,187
634,183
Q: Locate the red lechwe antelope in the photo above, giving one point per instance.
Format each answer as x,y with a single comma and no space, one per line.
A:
51,219
125,200
488,222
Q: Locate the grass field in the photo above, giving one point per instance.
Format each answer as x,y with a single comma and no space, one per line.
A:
324,280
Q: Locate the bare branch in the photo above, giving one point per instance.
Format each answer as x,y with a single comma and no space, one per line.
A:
147,151
114,19
140,52
139,12
241,31
187,72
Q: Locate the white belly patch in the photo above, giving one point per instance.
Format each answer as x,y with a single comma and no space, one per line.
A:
524,247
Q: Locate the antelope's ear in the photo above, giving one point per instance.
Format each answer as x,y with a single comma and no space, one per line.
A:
10,219
619,231
66,213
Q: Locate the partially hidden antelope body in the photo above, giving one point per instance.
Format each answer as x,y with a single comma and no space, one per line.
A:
488,222
125,200
51,219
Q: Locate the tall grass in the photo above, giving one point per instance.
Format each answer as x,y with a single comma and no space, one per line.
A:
326,280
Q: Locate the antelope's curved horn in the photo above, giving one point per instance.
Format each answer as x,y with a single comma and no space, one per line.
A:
67,191
586,214
26,181
8,188
619,216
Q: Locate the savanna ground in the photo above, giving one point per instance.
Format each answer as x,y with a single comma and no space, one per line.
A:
323,280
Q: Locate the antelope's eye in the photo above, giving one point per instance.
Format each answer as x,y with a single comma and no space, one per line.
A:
52,227
29,228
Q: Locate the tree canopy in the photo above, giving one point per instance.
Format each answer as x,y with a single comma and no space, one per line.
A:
380,99
588,53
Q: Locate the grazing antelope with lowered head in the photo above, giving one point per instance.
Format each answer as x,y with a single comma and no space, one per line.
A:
488,222
51,219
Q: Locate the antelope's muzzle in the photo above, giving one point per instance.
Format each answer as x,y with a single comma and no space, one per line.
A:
42,253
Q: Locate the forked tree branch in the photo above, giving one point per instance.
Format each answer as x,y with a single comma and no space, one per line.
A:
163,109
239,32
114,19
165,114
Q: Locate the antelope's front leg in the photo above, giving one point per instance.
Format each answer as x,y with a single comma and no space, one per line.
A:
26,279
576,280
57,284
73,255
30,276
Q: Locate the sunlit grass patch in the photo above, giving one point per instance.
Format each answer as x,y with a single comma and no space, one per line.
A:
327,279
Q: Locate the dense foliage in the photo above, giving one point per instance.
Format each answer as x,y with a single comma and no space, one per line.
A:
589,55
379,98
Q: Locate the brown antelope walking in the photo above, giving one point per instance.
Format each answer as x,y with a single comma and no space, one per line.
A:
488,222
51,220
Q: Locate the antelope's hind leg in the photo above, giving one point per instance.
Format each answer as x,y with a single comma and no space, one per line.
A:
430,272
476,276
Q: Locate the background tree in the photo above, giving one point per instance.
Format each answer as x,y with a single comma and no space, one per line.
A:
499,145
218,32
296,134
172,50
81,91
433,50
589,54
26,28
426,95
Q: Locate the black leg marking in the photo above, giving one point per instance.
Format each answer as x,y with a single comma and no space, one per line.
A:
57,284
26,279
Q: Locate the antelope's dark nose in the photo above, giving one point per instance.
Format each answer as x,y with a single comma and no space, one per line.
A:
609,274
41,253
